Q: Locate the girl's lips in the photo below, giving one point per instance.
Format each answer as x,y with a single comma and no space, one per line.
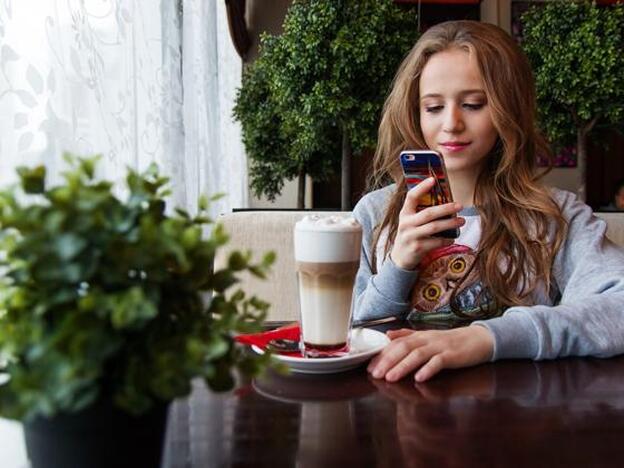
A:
455,146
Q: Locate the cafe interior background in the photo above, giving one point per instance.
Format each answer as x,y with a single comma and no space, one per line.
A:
141,84
101,77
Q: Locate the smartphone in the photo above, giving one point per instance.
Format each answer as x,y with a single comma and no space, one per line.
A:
419,165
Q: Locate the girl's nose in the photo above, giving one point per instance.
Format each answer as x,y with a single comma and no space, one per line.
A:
453,121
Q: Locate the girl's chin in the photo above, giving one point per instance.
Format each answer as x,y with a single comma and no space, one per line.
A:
460,166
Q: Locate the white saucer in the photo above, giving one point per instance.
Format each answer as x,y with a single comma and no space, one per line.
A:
364,344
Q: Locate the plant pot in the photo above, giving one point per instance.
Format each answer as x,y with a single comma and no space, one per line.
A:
99,436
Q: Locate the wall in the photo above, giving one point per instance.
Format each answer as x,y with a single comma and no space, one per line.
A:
564,178
497,12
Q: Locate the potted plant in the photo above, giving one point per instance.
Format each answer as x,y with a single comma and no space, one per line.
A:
314,95
106,314
575,49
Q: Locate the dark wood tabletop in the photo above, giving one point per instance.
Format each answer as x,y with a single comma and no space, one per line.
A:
568,412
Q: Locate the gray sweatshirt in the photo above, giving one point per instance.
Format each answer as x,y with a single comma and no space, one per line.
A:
583,315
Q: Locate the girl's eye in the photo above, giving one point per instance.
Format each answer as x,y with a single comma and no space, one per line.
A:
433,109
473,106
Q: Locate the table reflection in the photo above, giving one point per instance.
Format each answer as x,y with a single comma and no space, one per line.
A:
328,414
568,412
511,413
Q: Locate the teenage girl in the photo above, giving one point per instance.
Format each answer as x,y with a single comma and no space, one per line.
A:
532,271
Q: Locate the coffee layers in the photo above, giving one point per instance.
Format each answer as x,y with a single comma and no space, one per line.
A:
327,252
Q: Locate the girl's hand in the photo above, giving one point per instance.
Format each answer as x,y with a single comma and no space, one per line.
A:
431,351
414,235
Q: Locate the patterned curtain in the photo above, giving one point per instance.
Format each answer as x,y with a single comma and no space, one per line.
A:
137,81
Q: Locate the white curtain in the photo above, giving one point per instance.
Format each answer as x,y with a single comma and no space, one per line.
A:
137,81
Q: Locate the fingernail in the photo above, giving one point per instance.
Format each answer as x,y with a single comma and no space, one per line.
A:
377,374
458,206
418,377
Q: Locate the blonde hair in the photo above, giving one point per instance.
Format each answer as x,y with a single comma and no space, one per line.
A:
516,209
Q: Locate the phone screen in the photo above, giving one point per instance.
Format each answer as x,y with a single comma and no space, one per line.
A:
419,165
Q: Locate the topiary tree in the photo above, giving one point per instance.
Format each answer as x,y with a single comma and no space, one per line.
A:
314,95
266,136
577,53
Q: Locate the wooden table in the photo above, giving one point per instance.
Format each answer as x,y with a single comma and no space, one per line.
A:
568,412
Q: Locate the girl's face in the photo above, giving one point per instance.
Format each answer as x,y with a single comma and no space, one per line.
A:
455,117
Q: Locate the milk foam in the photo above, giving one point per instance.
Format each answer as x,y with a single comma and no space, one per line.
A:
328,223
327,239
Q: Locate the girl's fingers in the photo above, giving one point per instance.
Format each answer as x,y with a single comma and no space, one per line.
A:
410,205
431,368
394,334
412,361
392,354
431,351
435,227
427,244
436,212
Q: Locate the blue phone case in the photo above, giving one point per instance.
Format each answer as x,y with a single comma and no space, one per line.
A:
419,165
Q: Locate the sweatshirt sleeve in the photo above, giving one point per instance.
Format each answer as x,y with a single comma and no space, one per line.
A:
386,293
589,319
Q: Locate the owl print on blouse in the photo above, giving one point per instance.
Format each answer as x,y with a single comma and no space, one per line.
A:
440,273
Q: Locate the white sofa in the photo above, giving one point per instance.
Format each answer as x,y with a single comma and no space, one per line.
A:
261,231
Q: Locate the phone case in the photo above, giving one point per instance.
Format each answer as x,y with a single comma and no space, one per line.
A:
419,165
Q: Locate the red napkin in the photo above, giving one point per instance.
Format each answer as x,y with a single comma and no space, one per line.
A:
287,332
261,340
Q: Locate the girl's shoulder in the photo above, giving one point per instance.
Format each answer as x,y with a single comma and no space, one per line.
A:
563,198
372,206
570,204
583,227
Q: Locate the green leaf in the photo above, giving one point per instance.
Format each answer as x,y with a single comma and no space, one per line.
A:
216,348
131,308
191,237
238,261
269,259
67,246
202,203
87,165
222,280
32,180
216,197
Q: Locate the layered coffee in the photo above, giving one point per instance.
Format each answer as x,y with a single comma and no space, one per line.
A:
327,253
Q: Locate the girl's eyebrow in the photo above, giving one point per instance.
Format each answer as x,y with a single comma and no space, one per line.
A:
461,93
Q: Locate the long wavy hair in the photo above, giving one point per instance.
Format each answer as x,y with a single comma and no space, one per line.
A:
522,226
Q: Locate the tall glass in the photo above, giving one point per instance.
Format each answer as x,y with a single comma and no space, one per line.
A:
327,255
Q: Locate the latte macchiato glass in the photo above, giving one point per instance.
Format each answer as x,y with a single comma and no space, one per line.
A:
327,254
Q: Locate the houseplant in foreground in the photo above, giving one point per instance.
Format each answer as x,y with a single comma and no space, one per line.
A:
103,316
